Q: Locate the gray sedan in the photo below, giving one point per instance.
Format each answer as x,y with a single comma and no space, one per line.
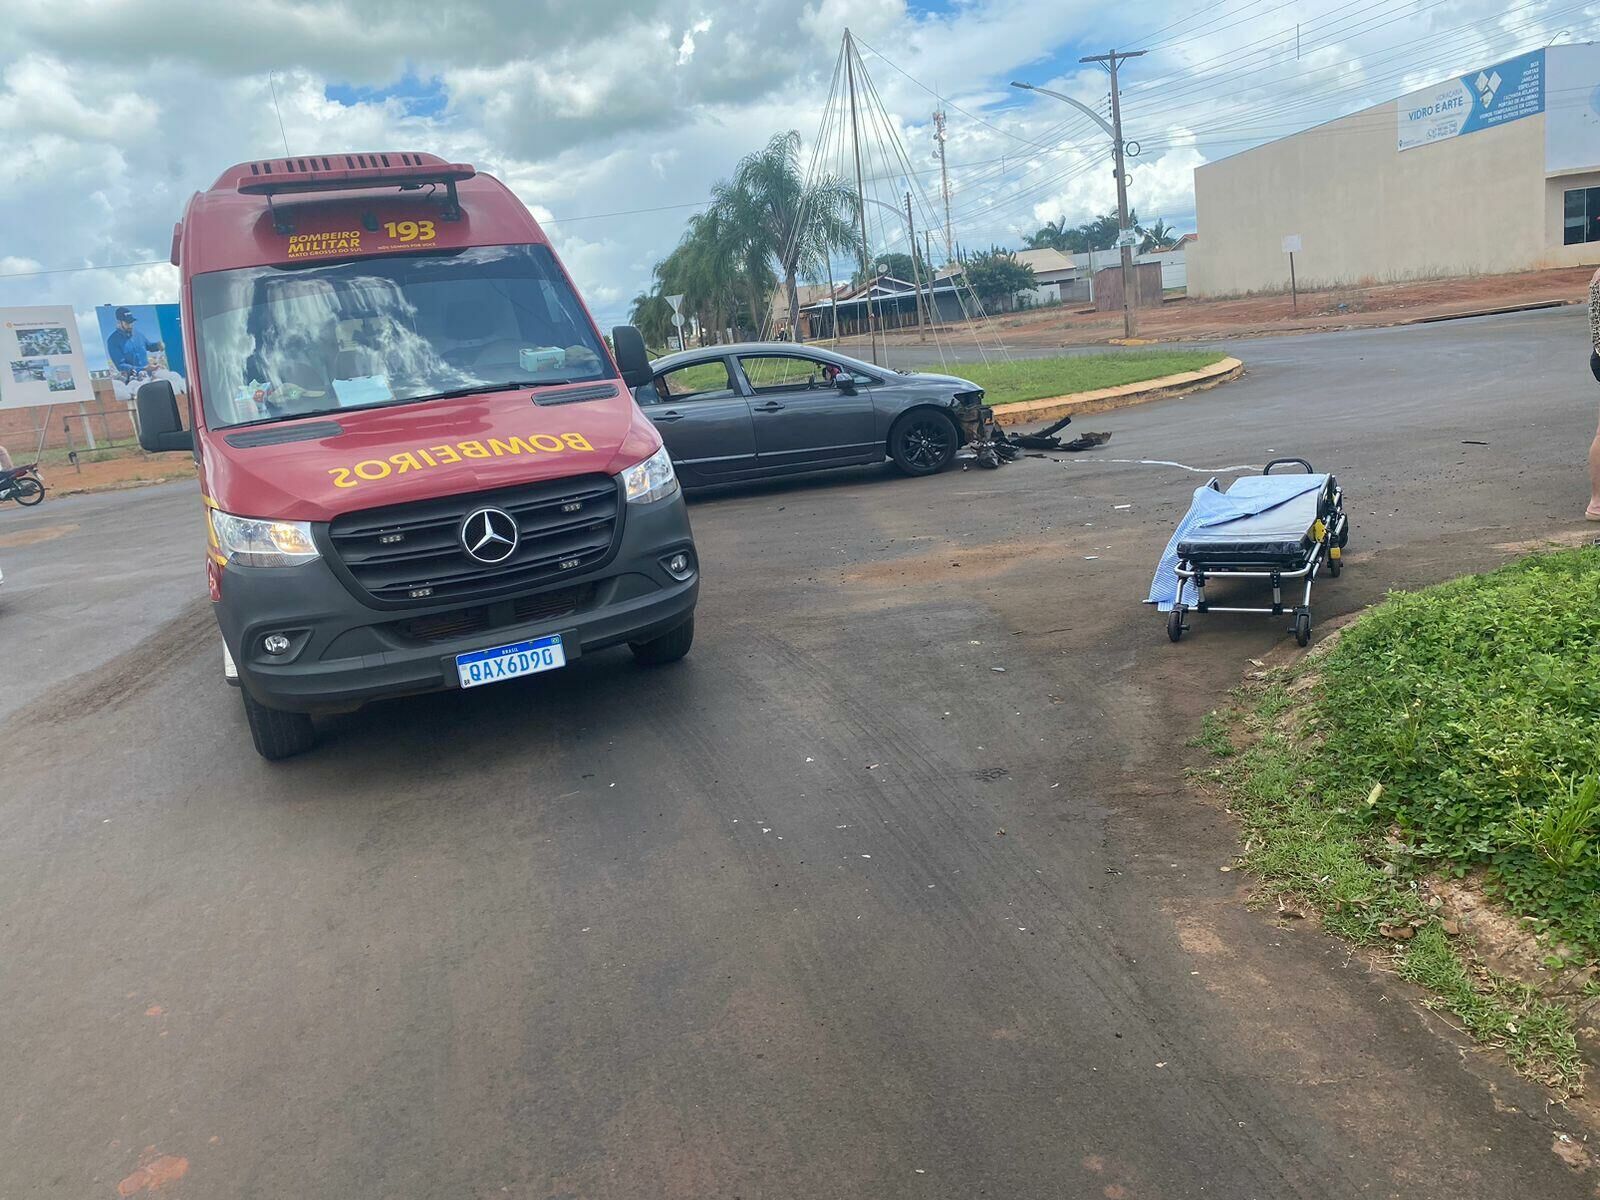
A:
757,409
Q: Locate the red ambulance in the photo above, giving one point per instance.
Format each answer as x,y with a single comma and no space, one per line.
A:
422,466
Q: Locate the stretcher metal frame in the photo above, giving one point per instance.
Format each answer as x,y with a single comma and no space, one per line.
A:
1330,532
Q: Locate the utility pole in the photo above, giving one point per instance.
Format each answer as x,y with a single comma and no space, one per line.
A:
944,185
916,274
1110,62
861,195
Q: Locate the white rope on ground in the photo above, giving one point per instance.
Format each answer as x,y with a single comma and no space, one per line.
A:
1162,462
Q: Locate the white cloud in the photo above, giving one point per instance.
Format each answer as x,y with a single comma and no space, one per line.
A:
686,47
616,106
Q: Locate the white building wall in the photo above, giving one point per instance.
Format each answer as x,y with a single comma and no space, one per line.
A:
1367,212
1174,267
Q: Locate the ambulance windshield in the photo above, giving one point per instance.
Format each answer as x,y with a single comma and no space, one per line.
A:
283,342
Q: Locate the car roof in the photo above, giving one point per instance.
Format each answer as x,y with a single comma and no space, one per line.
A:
684,357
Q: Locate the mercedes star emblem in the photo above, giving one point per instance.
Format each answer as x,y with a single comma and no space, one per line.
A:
489,535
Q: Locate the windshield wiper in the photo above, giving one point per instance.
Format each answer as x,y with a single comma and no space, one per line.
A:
294,416
506,386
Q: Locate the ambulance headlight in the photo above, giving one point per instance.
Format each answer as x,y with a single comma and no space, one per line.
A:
249,542
653,479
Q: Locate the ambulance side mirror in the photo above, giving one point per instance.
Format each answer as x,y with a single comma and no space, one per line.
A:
632,358
160,428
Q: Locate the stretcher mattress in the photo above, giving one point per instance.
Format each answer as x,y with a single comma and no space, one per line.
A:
1278,537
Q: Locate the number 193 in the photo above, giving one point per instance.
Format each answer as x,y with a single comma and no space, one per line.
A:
410,231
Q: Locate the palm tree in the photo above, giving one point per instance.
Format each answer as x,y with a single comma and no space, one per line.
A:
703,267
1101,232
785,219
747,247
651,315
1052,235
1156,237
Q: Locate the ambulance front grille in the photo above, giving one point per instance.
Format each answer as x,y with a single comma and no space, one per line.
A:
409,555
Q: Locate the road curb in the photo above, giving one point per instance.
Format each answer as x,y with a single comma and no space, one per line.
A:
1027,412
1532,306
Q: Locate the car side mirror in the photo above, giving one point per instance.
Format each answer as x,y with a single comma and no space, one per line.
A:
160,428
845,382
633,360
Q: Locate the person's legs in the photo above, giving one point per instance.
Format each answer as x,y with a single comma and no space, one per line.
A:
1593,511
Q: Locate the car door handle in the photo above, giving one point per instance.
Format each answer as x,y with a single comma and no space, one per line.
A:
668,416
770,406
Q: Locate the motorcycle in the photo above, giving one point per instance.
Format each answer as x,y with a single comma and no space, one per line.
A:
22,484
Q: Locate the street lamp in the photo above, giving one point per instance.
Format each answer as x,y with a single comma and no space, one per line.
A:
1114,128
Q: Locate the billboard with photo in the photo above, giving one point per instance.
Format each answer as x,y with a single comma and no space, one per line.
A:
1572,110
41,357
142,342
1507,91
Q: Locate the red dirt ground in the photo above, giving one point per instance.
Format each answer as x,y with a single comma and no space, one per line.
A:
130,470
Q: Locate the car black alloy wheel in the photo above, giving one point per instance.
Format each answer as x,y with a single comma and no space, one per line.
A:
926,443
923,443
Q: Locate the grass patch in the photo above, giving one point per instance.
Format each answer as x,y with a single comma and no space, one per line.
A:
1043,378
1310,834
1476,706
1449,730
1213,736
1014,382
105,451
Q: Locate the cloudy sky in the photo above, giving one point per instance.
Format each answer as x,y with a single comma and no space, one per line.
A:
612,118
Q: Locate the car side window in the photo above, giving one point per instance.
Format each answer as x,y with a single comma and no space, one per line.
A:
783,372
697,381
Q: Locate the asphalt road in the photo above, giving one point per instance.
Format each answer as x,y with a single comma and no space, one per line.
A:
834,908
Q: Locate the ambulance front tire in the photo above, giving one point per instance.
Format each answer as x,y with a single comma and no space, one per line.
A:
668,648
277,734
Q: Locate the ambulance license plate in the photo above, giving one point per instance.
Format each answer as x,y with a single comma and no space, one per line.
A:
510,662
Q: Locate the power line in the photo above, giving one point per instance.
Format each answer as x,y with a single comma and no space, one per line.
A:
153,262
950,103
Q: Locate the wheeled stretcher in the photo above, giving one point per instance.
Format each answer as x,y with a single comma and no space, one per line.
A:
1292,527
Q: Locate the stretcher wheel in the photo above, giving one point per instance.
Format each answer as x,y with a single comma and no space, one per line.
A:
1335,563
1301,627
1175,625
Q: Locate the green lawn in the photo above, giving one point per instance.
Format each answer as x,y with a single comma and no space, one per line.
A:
1025,379
1476,704
1450,730
1042,378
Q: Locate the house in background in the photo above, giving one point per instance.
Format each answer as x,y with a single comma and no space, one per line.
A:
1057,279
813,319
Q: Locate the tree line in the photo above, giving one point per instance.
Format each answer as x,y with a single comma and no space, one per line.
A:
1100,233
765,227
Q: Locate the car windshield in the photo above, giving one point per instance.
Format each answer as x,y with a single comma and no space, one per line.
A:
282,342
